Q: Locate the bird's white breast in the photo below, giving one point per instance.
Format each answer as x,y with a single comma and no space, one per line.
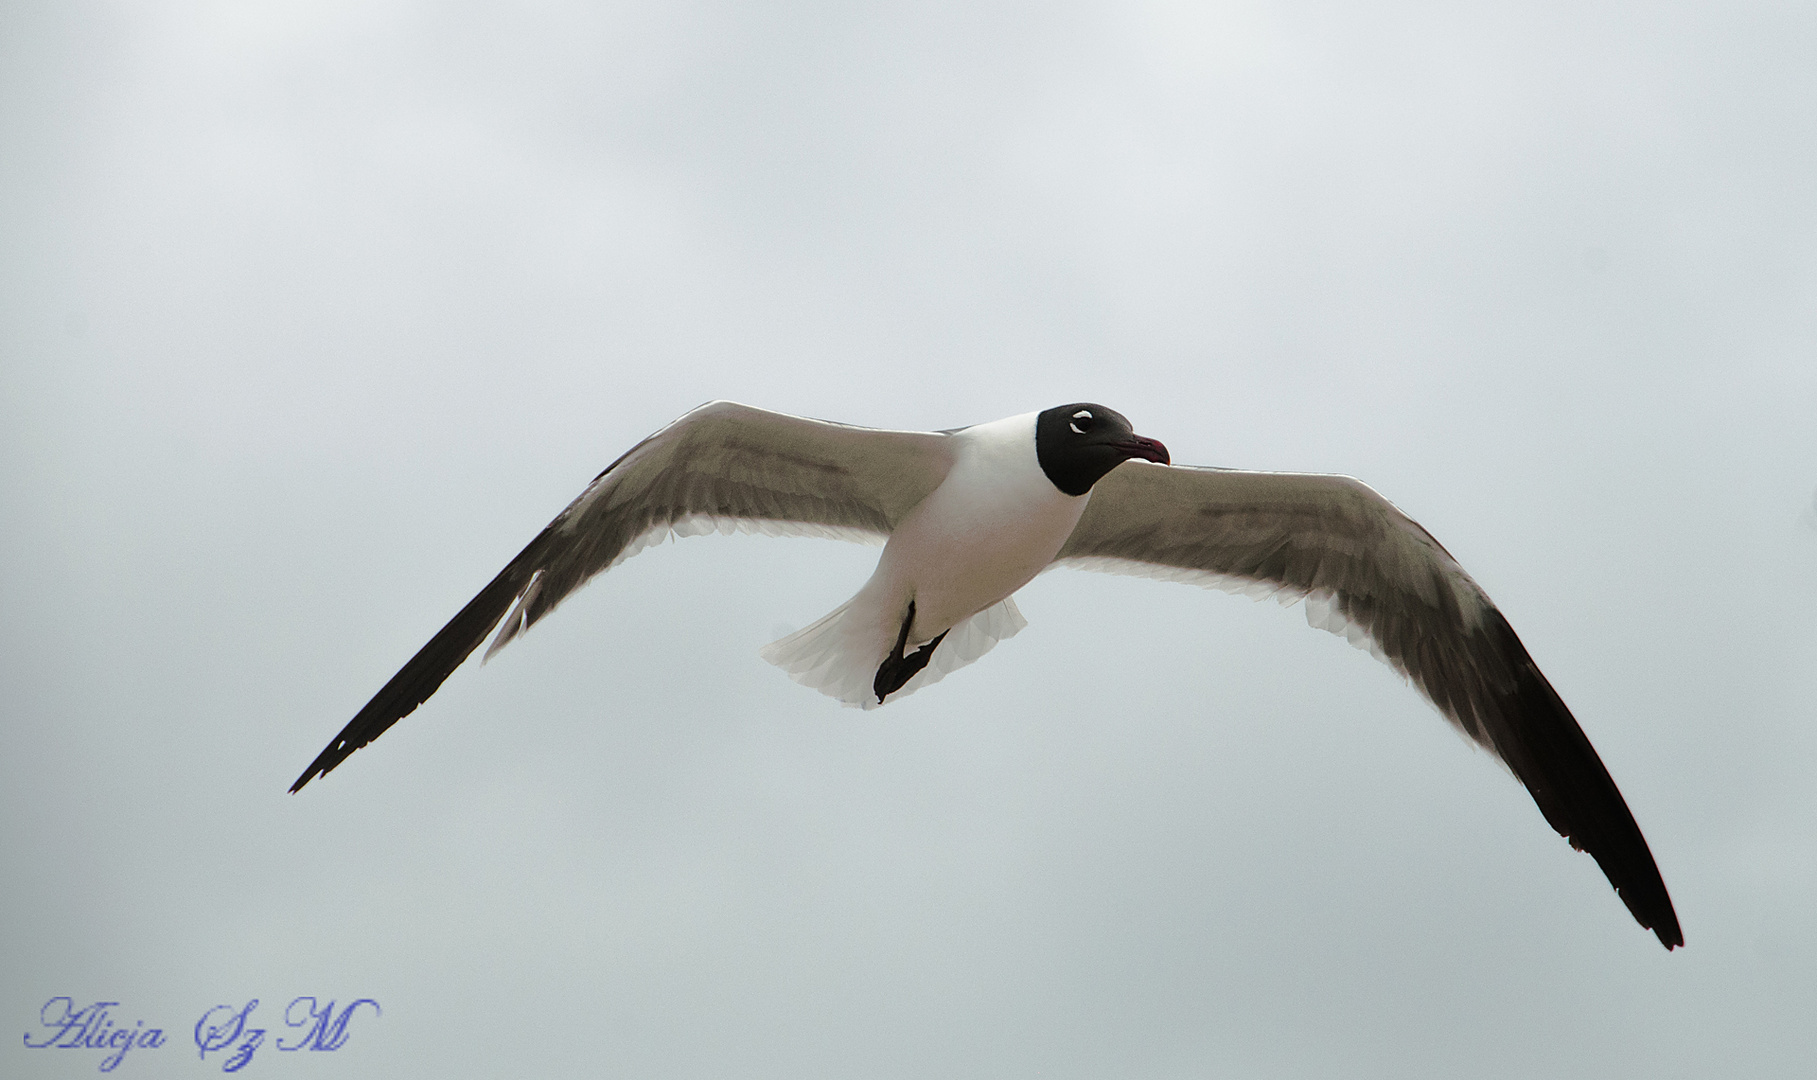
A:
985,532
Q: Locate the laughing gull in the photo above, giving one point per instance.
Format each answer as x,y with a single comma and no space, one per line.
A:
968,516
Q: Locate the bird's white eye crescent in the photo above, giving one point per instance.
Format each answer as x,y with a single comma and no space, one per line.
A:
1082,414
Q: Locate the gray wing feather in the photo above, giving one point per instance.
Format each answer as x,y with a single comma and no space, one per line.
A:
723,466
1374,575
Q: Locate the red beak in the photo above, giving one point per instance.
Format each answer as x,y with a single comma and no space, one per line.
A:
1147,449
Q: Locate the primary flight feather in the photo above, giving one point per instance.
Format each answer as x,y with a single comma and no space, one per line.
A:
967,517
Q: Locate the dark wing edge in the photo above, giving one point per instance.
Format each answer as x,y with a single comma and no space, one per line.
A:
721,467
431,666
1374,576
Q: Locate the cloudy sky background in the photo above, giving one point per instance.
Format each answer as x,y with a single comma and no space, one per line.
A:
312,314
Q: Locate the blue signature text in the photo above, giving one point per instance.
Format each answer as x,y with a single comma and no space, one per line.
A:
230,1034
91,1028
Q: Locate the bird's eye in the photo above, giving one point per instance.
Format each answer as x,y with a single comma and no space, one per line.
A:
1082,421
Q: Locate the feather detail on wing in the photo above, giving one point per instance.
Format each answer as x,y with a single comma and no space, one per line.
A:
1371,575
723,467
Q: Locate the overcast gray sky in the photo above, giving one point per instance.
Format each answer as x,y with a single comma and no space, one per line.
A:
311,314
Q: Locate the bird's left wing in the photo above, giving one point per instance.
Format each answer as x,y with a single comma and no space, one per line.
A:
1371,574
721,467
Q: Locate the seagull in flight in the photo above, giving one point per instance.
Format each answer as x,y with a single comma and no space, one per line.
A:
968,516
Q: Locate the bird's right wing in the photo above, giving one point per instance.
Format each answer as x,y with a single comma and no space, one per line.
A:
1372,574
722,467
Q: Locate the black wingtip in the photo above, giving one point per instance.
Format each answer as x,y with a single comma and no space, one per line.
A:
1553,757
323,764
1666,928
316,768
334,753
429,668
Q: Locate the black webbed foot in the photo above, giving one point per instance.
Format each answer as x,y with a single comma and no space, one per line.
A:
898,669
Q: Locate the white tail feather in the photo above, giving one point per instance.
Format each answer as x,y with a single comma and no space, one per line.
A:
839,654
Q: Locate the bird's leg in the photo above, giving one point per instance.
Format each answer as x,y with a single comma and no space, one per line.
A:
896,668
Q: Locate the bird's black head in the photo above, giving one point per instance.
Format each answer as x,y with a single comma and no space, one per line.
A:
1077,444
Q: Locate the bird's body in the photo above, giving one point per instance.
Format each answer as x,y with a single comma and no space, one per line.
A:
985,532
969,516
994,522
